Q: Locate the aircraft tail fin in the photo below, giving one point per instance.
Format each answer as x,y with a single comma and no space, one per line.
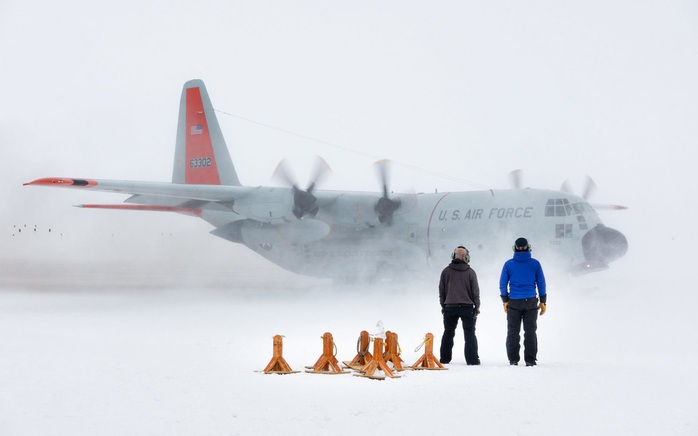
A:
201,155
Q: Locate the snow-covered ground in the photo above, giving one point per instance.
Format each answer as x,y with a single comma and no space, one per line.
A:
132,350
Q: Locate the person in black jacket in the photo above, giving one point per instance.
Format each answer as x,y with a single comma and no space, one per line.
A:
459,295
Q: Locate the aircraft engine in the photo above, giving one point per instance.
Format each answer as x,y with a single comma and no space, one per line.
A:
304,202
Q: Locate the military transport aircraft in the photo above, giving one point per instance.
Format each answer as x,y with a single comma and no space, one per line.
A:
344,235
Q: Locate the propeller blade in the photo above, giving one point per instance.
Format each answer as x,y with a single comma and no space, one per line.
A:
385,206
589,188
283,174
566,187
320,172
608,207
515,179
382,169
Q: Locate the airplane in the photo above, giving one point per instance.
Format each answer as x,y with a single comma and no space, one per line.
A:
351,236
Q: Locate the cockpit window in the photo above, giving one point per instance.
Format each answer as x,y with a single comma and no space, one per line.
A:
563,231
562,207
557,207
582,222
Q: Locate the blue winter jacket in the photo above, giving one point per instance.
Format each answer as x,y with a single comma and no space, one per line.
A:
521,274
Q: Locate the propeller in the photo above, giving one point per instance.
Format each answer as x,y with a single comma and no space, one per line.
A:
304,202
588,191
385,206
566,188
589,188
515,179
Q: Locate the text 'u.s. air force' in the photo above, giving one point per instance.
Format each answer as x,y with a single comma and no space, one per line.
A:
478,214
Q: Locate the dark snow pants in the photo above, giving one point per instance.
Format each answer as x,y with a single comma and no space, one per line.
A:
451,316
525,311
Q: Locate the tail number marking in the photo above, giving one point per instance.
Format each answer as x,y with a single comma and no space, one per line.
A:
200,162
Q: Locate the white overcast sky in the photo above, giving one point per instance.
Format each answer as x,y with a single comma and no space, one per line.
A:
469,90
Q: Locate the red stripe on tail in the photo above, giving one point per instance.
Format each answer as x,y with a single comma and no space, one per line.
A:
200,165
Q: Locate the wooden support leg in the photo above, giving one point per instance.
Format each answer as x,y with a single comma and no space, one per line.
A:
363,356
277,364
428,360
378,363
392,353
327,363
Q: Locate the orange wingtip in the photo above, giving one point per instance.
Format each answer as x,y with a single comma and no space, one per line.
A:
58,181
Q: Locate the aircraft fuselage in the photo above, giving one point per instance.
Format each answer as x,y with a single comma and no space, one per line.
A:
430,226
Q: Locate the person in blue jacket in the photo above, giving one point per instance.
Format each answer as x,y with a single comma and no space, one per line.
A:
520,277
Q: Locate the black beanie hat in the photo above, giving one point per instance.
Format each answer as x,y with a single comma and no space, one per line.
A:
521,243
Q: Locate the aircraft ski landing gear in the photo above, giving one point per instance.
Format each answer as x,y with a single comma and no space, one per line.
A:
277,364
428,360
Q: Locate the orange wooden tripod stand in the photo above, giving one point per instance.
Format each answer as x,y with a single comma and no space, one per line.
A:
363,356
277,364
428,360
392,353
327,363
377,363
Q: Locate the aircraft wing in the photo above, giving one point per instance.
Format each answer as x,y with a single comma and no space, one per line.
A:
218,193
264,204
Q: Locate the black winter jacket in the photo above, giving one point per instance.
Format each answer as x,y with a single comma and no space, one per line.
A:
458,285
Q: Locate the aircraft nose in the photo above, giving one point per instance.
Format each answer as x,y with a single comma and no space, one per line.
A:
602,245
